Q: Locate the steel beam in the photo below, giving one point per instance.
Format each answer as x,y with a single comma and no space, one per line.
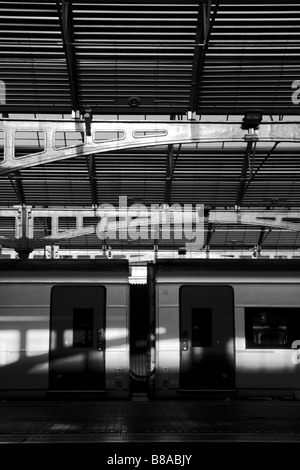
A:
16,183
169,171
169,166
25,215
148,109
204,28
261,237
201,33
65,15
90,161
141,258
253,174
130,134
279,219
246,164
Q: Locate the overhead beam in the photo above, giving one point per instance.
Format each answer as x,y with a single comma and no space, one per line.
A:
25,233
219,252
90,160
243,176
201,32
16,183
261,236
118,135
204,28
168,181
277,219
172,162
264,232
169,170
254,173
65,15
148,108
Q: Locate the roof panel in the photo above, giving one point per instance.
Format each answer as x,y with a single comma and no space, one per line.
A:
149,50
100,54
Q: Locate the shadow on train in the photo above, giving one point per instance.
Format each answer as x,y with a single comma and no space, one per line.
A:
33,372
196,329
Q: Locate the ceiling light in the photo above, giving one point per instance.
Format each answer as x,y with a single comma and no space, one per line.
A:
252,119
134,101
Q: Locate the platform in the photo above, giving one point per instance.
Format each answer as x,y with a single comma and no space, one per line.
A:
106,430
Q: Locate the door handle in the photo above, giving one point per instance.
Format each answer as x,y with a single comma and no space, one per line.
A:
185,341
100,340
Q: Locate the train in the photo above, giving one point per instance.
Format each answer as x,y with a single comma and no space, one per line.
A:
197,327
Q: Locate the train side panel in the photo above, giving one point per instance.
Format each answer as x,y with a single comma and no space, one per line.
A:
265,334
24,336
117,340
167,339
37,356
262,365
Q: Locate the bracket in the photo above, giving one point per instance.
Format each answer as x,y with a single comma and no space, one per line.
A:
117,135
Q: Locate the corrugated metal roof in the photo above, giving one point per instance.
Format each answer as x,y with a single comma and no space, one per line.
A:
217,58
55,56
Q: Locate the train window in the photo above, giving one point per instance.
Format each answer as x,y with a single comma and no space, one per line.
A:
83,327
274,328
201,327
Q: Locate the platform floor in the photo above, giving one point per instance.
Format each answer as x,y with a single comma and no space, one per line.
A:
112,430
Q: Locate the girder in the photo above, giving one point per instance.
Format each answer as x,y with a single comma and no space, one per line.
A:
280,219
204,28
65,15
25,237
116,135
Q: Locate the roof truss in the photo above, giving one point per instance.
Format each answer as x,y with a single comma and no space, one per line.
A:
116,135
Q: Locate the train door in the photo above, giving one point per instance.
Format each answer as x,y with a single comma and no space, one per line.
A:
207,337
77,338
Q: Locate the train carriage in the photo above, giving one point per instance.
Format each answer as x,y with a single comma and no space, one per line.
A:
227,325
197,327
64,326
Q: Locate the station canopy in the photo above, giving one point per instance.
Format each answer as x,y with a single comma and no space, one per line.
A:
156,61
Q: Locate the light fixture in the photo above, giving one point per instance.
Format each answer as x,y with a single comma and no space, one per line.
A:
134,101
252,119
88,119
206,211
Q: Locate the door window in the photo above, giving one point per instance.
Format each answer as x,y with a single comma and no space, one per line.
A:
83,327
201,327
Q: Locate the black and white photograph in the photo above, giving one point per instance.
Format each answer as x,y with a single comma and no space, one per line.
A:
149,233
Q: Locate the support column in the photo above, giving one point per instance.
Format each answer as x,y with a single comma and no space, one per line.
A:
23,253
23,244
